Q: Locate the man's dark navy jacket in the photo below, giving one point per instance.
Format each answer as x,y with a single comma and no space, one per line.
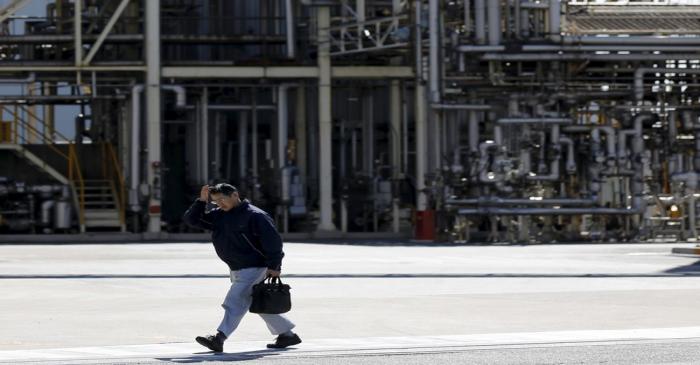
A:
245,236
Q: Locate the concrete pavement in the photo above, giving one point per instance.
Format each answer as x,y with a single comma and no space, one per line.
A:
100,296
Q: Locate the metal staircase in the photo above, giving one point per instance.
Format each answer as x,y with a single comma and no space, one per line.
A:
99,202
101,205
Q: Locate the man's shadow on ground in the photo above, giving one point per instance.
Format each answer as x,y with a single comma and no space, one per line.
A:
223,356
692,268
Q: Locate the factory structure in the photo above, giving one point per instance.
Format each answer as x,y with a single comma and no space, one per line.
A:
447,120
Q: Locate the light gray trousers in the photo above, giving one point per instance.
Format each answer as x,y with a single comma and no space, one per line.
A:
238,301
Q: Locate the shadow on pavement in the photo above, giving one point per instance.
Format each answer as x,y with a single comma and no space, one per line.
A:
693,268
223,356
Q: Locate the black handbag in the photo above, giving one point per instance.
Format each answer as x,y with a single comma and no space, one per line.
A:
271,296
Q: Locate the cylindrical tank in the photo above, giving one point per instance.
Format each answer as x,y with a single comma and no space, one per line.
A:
62,215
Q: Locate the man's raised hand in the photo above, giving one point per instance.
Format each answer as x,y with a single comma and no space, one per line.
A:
204,194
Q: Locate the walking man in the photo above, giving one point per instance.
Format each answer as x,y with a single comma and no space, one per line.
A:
246,239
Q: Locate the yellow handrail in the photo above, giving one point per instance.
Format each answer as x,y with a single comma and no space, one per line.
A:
26,110
31,129
16,128
75,175
74,164
120,179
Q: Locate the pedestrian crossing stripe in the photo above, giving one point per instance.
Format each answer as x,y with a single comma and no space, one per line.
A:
344,346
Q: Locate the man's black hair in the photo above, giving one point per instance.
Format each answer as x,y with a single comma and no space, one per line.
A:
222,188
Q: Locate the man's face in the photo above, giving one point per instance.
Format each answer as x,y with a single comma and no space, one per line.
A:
224,202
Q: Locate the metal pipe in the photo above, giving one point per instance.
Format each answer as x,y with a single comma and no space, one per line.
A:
46,210
484,175
555,20
696,160
584,56
473,48
496,201
524,21
180,94
570,162
603,47
395,126
480,21
610,140
498,135
434,60
639,77
282,125
289,17
420,115
689,119
77,33
636,131
135,146
555,121
554,165
517,19
418,41
549,211
240,107
467,17
645,40
494,18
482,107
473,132
530,5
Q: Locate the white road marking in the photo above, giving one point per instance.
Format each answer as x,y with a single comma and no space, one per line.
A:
354,346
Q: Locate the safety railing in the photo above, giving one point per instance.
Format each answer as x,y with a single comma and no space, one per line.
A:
112,173
75,176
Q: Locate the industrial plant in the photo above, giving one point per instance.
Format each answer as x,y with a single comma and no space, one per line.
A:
471,121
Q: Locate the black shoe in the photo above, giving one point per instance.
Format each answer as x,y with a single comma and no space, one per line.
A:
284,341
211,342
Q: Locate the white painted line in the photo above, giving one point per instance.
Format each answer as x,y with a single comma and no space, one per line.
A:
352,346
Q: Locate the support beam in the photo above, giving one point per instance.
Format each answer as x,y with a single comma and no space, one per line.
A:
38,69
78,32
395,122
153,115
300,132
323,20
282,125
242,146
204,142
103,35
283,72
11,9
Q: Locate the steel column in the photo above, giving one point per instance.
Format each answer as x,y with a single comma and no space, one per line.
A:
323,20
152,46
